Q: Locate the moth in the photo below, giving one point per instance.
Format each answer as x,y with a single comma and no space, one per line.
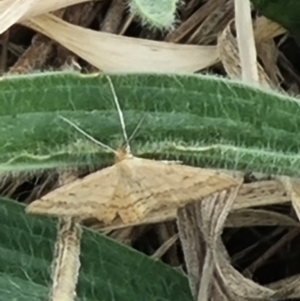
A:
131,188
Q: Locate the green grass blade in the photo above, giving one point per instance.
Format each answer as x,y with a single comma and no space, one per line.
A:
109,270
256,130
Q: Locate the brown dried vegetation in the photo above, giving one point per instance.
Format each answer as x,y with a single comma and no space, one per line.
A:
255,257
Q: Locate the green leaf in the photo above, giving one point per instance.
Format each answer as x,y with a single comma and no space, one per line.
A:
109,270
158,14
286,13
255,130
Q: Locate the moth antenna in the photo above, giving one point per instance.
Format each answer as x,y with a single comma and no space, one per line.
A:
87,135
121,116
137,128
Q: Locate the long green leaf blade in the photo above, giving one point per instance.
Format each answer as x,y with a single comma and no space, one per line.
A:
255,129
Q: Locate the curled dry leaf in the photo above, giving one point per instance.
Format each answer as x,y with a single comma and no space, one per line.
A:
114,53
238,286
285,283
203,221
219,280
214,215
242,288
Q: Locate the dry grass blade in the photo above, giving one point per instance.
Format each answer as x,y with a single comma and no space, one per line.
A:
13,11
240,287
194,20
193,245
265,32
266,29
215,22
293,190
96,48
245,39
268,53
114,16
165,247
261,193
45,6
256,217
229,55
66,262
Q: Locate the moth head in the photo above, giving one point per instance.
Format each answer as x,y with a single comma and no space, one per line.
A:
122,154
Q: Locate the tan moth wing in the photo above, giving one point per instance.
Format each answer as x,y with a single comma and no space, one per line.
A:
84,198
131,189
150,185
